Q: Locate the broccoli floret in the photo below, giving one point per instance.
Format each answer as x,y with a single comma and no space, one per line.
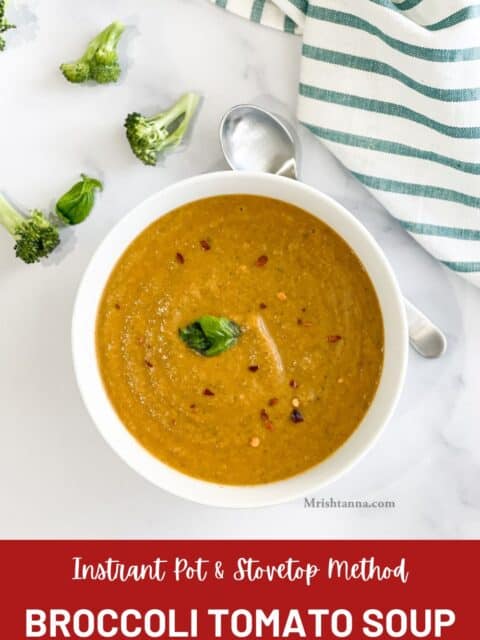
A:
150,136
4,24
35,237
100,60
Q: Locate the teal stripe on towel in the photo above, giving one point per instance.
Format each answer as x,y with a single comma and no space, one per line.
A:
302,5
389,4
375,66
289,25
257,10
405,5
456,233
221,3
462,267
389,146
422,190
468,13
425,53
386,108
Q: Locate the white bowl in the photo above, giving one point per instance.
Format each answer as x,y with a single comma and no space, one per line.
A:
88,375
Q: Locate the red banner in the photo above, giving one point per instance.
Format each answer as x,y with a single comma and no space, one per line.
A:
239,589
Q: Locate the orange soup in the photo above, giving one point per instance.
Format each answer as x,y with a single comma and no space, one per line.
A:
240,340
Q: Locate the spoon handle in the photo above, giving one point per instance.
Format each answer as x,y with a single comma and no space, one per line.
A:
425,337
288,169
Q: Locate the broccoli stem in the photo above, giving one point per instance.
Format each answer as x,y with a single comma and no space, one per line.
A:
185,107
108,39
112,35
9,218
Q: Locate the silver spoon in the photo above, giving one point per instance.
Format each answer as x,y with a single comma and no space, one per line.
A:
254,139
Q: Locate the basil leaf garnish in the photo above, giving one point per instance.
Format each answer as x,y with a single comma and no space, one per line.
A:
210,335
75,205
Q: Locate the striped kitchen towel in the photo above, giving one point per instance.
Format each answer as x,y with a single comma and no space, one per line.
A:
392,88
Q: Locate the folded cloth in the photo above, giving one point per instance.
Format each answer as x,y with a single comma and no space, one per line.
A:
392,88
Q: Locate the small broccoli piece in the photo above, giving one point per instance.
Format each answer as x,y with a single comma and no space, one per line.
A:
35,237
4,24
100,60
150,136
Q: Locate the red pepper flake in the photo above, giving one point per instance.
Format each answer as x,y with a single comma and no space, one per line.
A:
273,401
334,338
117,306
193,406
205,245
179,258
262,305
208,392
266,420
293,384
261,261
296,416
149,364
303,309
253,368
304,323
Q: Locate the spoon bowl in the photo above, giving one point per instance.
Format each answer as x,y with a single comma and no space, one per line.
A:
253,139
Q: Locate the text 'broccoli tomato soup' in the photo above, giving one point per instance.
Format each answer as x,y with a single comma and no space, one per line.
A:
240,339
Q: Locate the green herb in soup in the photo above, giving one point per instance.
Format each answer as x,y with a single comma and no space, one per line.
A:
298,380
210,335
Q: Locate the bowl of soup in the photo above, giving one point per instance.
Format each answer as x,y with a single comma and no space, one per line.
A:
239,339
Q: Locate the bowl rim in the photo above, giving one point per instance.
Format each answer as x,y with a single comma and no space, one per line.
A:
129,449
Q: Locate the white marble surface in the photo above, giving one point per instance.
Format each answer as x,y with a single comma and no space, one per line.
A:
57,476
